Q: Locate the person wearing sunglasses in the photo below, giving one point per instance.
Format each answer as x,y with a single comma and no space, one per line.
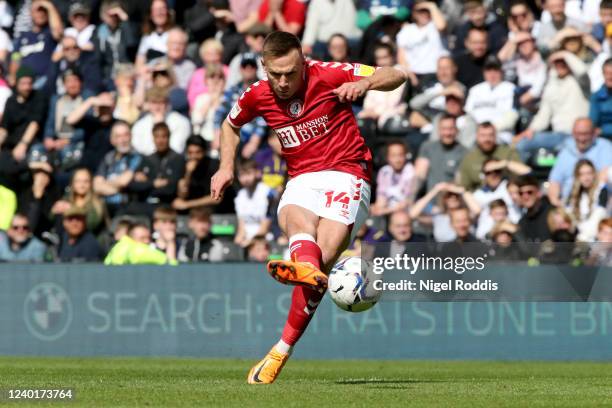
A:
18,244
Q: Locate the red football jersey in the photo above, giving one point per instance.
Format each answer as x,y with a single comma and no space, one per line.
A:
317,132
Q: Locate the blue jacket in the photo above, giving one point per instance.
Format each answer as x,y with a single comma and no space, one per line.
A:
33,250
601,111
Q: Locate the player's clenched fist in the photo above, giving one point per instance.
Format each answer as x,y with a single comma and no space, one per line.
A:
351,91
219,182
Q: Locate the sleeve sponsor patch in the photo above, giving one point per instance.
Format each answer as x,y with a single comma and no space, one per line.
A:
235,111
363,70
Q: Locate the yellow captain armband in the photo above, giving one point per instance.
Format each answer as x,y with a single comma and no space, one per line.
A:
363,70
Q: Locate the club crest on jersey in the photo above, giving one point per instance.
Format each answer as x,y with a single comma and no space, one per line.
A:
294,109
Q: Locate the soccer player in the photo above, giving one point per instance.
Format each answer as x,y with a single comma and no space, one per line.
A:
308,104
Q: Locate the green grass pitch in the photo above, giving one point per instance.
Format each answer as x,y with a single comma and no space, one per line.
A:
161,382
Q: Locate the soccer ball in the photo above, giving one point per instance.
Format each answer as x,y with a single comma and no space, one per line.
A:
350,285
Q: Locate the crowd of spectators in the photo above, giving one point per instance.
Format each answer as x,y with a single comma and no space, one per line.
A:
111,113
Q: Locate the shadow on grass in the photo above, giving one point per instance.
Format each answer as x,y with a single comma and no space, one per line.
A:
359,381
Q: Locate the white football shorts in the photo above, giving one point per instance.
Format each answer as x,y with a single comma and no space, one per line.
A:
334,195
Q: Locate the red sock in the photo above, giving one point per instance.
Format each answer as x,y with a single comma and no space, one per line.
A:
304,301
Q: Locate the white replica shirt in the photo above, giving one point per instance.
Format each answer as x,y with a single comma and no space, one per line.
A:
154,41
484,197
487,103
252,209
423,47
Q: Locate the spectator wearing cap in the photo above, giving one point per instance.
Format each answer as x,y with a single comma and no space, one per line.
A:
18,244
76,243
493,100
182,66
71,57
79,16
558,20
326,18
156,179
438,160
35,47
601,104
253,132
487,147
254,39
63,142
157,110
564,100
194,187
21,124
419,44
584,144
470,63
117,169
115,39
477,16
211,53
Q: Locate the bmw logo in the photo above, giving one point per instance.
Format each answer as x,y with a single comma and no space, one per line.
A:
47,311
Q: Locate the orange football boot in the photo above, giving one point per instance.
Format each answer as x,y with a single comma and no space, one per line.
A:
266,371
298,273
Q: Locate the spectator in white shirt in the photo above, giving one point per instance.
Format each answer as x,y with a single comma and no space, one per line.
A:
419,43
154,42
493,100
157,105
563,101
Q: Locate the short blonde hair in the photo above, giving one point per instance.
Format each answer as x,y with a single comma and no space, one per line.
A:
210,44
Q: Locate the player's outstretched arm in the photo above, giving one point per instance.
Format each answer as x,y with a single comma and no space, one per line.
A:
229,140
383,79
